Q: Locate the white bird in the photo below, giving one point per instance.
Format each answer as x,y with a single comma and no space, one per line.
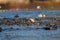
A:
32,19
38,7
41,15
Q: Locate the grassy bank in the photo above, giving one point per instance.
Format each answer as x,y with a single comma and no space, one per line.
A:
43,5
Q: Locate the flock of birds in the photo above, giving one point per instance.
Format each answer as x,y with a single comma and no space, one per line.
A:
26,21
17,20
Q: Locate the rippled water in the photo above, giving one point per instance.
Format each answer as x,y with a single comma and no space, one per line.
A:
21,32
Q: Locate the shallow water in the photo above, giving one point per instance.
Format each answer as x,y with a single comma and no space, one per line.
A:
28,32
